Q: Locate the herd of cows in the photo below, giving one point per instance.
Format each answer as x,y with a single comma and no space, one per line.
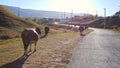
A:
31,35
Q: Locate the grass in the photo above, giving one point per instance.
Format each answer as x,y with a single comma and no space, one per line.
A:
9,50
12,25
117,31
53,51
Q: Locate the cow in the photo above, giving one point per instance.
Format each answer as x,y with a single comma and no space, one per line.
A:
81,29
47,29
30,36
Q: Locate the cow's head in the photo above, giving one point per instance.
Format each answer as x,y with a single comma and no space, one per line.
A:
38,30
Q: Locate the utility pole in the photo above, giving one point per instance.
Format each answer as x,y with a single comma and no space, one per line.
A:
119,9
18,11
64,14
104,18
64,17
71,15
96,14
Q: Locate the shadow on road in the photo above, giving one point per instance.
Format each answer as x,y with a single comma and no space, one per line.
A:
17,63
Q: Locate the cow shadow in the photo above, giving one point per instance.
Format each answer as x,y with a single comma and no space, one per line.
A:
18,63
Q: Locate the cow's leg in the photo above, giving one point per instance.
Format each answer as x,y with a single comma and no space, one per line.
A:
81,33
30,47
35,46
25,49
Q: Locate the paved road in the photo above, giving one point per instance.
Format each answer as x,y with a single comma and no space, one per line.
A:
99,49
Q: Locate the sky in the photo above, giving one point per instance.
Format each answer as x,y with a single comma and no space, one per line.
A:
77,6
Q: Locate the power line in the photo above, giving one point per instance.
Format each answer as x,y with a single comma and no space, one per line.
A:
71,13
18,11
104,18
64,14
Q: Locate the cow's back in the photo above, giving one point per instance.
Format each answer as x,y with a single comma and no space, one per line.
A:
29,36
81,28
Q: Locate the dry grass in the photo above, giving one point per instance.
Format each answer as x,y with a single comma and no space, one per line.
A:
12,25
54,51
8,19
9,50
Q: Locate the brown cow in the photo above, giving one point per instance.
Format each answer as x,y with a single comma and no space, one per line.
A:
81,29
47,29
30,36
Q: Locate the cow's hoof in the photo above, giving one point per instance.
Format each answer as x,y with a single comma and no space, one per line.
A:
30,50
34,50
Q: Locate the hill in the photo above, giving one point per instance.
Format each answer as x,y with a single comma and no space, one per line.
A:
30,13
111,22
83,19
11,24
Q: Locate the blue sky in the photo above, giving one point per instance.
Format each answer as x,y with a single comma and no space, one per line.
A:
78,6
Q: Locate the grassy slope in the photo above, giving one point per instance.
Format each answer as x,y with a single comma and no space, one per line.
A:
12,24
85,20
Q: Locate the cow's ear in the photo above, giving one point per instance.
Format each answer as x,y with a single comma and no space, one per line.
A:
38,30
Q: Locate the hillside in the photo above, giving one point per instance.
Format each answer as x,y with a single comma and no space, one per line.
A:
112,22
39,13
83,19
11,24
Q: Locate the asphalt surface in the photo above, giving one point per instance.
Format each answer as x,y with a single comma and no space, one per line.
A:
99,49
